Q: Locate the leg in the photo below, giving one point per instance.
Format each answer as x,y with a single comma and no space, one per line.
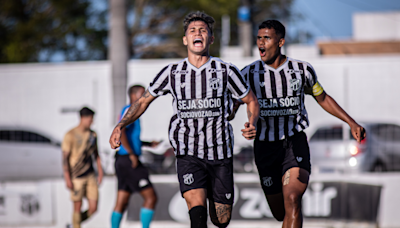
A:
76,216
220,214
122,201
295,183
196,202
147,211
276,204
120,206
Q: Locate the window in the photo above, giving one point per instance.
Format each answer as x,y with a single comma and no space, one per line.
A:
22,136
322,134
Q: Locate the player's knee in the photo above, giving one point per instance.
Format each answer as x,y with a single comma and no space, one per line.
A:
293,201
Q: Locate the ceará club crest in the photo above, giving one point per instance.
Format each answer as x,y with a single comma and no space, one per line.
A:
215,83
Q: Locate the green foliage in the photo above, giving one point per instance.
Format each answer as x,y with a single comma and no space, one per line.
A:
156,28
35,30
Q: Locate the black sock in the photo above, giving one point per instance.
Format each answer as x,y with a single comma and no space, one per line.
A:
198,217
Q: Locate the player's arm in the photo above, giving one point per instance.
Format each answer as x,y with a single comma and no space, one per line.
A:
99,167
253,111
67,170
330,105
134,112
125,143
236,106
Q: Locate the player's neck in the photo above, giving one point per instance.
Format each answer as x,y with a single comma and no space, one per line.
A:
277,61
82,128
198,60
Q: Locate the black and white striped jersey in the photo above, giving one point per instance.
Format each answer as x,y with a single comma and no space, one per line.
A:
280,93
202,102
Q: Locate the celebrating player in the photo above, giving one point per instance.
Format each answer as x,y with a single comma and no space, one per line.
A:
132,175
280,149
78,146
202,87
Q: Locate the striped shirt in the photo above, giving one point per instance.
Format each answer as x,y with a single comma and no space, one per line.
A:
280,93
202,102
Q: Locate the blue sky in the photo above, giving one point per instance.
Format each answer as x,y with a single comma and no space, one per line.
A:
333,18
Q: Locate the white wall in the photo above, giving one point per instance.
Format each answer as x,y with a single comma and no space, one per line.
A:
377,26
34,94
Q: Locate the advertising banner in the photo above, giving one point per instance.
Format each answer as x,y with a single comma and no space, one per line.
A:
322,200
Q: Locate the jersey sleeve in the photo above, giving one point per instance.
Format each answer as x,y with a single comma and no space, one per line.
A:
245,73
314,87
236,83
66,145
160,84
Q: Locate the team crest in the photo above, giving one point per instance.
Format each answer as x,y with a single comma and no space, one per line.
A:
262,84
215,83
294,84
183,85
228,195
188,178
267,181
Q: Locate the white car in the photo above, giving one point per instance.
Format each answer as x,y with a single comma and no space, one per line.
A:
28,154
333,149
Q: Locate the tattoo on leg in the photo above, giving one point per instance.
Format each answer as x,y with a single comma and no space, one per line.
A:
287,177
223,212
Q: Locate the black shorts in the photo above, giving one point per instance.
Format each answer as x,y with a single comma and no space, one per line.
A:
273,159
131,179
214,175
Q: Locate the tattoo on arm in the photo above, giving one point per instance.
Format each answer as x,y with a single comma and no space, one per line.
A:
249,114
146,94
131,111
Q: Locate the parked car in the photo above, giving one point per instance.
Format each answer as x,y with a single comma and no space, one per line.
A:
333,149
28,154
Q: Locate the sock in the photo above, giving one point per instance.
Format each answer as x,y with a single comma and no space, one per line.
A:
146,215
198,217
85,215
115,219
76,220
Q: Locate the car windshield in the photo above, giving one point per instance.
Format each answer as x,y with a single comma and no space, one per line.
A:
324,134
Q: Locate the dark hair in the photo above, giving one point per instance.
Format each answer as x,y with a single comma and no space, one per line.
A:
134,89
198,16
279,28
85,111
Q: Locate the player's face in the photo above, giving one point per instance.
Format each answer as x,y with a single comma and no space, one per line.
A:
269,44
137,95
87,121
198,38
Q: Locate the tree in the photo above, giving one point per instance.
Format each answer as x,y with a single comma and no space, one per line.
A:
37,30
156,25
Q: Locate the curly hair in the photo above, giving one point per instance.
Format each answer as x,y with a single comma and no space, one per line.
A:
198,16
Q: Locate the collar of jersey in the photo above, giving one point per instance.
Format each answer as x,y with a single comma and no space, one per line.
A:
277,69
202,66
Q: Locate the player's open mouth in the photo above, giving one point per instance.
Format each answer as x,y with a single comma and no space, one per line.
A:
198,42
262,51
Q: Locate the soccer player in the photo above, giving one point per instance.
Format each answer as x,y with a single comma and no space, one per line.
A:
202,88
78,146
132,175
280,149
